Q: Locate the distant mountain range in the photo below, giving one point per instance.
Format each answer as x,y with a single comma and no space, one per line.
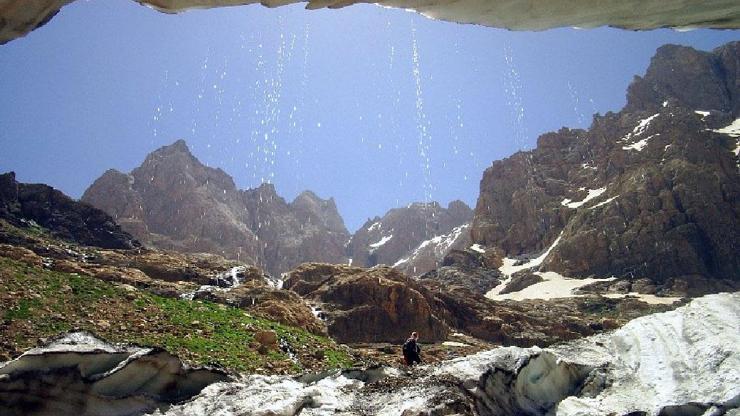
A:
172,201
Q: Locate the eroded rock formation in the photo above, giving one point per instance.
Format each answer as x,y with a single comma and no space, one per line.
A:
172,201
19,17
649,192
369,305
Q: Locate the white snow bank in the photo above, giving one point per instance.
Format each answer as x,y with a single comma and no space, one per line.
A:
691,354
703,114
509,268
478,248
651,299
374,226
732,130
258,395
604,202
554,286
382,241
455,344
592,193
640,128
639,145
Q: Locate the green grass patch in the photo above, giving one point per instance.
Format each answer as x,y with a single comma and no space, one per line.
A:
39,303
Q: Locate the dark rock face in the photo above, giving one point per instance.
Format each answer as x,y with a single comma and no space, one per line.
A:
401,231
369,305
464,269
80,374
649,192
22,204
172,201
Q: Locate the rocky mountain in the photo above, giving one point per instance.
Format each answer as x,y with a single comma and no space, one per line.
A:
403,233
172,201
649,192
33,205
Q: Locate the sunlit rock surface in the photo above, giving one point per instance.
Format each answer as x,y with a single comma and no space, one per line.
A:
649,192
80,374
18,17
685,361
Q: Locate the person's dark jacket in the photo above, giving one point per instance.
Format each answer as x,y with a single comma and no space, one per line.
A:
411,352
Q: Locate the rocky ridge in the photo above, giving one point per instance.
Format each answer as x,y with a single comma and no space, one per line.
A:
647,193
417,235
29,205
174,202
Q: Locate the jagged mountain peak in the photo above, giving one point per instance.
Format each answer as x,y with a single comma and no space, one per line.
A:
173,201
681,75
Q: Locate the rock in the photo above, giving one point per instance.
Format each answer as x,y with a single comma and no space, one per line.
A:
521,281
510,14
174,202
420,233
268,339
283,306
79,374
647,193
37,205
21,254
375,305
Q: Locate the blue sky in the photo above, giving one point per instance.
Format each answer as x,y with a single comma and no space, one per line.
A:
327,100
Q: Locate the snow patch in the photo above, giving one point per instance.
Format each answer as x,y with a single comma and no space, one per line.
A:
509,267
374,226
455,344
604,202
651,299
478,248
588,166
592,193
382,241
439,244
703,114
732,130
639,145
554,286
640,128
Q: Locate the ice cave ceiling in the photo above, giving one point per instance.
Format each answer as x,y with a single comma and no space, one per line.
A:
19,17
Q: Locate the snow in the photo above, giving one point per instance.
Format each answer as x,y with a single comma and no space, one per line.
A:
732,130
651,299
478,248
604,202
703,114
374,226
455,344
639,145
588,166
639,129
592,193
509,268
665,103
440,245
691,354
688,355
382,241
554,286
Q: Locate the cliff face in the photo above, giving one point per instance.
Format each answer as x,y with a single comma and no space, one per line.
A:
23,204
173,201
650,191
401,231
